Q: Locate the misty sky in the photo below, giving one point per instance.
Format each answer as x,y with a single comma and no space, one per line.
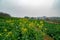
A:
31,8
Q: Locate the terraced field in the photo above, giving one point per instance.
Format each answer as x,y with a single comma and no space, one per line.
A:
28,29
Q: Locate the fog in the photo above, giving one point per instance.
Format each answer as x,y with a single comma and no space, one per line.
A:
31,8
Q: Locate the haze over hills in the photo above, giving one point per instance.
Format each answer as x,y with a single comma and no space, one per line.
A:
35,8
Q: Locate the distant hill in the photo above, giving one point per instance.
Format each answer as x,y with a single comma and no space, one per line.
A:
4,15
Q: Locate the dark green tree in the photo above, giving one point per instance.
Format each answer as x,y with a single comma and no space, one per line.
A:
4,15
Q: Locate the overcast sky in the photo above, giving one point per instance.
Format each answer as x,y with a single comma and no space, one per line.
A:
31,8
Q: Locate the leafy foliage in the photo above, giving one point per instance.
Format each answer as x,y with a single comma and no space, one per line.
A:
27,29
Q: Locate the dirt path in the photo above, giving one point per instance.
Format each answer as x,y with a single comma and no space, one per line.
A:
46,37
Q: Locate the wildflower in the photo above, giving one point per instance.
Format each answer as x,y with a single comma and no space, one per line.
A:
12,23
0,34
8,21
20,23
35,21
41,22
31,24
25,19
43,33
41,25
24,29
38,24
9,33
5,30
45,28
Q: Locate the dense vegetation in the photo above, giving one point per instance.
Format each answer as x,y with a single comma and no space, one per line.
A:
4,15
28,29
12,28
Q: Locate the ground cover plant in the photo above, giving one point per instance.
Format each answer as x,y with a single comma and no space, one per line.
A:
28,29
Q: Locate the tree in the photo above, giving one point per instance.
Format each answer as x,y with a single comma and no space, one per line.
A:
4,15
26,17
